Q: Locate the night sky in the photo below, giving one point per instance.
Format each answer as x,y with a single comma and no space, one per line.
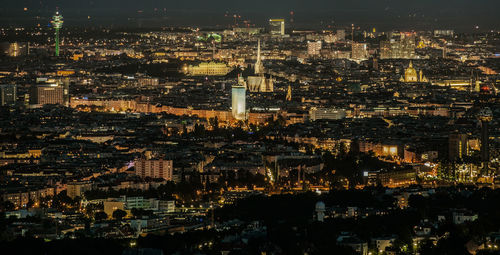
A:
385,14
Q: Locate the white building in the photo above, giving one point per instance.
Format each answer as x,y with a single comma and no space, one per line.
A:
326,114
238,98
460,217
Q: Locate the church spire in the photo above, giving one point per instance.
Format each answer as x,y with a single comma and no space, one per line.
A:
258,51
289,93
259,68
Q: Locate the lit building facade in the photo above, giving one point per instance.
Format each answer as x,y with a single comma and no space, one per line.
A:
238,98
314,48
458,146
326,114
485,116
340,36
404,48
8,94
14,49
154,168
42,94
259,82
411,75
359,51
207,69
277,26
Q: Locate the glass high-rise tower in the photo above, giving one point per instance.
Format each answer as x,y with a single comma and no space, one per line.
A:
238,98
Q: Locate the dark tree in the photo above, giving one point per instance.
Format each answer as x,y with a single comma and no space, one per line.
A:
119,214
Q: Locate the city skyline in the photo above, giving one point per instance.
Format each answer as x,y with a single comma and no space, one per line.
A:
460,15
265,127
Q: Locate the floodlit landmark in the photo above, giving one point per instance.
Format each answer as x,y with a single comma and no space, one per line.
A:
411,75
57,22
259,82
207,69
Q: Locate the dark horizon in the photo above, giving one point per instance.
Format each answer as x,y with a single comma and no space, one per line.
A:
461,15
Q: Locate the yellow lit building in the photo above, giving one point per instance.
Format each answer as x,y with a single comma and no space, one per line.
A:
77,56
65,72
207,69
411,75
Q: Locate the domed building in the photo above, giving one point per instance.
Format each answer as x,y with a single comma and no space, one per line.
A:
411,75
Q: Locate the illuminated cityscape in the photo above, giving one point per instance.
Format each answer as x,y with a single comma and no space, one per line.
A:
270,127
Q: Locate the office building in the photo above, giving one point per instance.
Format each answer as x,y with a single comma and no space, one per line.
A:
340,35
42,94
78,188
326,114
447,33
485,116
238,98
314,48
248,30
458,146
359,51
403,48
154,168
277,26
8,94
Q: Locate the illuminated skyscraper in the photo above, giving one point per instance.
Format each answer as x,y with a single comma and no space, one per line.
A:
57,22
485,116
8,94
314,48
359,51
403,48
238,98
458,146
277,26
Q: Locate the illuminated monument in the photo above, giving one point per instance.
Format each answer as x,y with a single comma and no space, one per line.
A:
238,98
57,22
259,82
411,75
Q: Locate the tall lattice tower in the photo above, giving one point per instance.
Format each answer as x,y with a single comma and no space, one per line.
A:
57,22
